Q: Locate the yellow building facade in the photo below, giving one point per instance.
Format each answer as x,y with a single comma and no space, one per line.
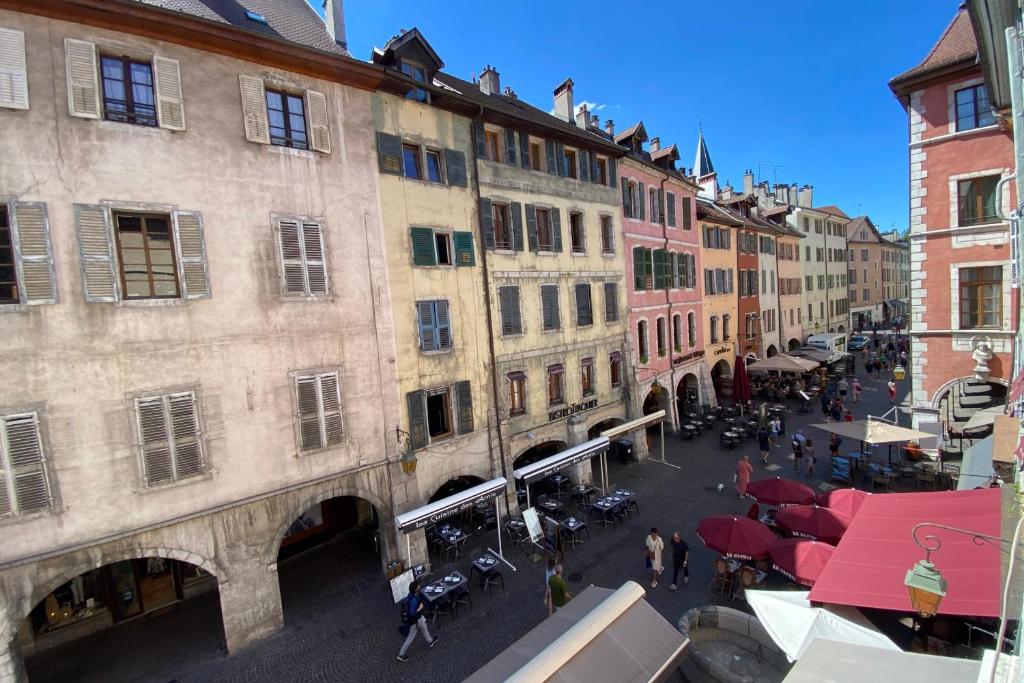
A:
719,284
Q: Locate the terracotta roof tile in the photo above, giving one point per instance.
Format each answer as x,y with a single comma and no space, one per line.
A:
957,43
831,209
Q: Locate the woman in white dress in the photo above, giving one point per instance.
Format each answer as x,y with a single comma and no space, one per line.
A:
654,547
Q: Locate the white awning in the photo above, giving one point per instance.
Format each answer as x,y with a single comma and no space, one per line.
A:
976,467
634,425
559,461
450,506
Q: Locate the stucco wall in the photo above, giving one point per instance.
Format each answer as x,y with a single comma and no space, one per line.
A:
790,268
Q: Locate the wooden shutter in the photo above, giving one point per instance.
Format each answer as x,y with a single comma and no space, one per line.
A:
444,325
319,121
96,246
552,163
186,443
659,268
389,154
524,149
13,71
479,139
531,226
560,159
254,109
555,215
508,302
627,199
422,240
454,164
671,199
292,270
191,251
549,307
170,103
308,411
427,325
584,310
330,409
638,211
613,179
463,244
661,205
313,256
30,229
486,223
611,302
585,165
415,402
516,209
83,79
464,397
22,445
638,269
510,147
154,441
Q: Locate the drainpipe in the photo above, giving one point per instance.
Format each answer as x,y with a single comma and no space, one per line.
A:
778,299
669,331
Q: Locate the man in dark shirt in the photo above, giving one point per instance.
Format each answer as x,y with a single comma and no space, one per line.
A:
559,588
680,559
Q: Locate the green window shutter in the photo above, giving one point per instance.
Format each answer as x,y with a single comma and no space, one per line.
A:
611,302
443,324
613,179
552,163
687,215
638,211
659,268
427,324
671,198
585,165
661,205
463,243
638,269
549,307
524,149
560,159
584,310
455,165
556,229
479,141
531,226
516,209
627,199
508,302
422,246
486,223
510,147
389,153
464,397
415,400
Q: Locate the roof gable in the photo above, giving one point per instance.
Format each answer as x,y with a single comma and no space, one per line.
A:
409,45
956,44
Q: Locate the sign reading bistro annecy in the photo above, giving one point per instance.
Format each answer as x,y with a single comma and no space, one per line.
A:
572,410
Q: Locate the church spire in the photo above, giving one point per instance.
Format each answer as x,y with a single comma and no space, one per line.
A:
702,165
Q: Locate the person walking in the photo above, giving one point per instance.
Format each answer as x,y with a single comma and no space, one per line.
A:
798,449
836,412
826,405
834,442
774,429
413,620
857,388
654,547
764,443
548,573
892,392
743,471
843,387
560,594
680,560
809,458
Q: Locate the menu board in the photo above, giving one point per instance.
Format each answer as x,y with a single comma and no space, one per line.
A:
532,524
400,586
552,537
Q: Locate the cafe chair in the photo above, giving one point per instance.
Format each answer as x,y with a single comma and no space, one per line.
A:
722,578
460,596
443,608
492,579
747,580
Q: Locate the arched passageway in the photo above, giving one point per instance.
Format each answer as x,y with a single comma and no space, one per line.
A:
721,379
687,396
772,351
793,344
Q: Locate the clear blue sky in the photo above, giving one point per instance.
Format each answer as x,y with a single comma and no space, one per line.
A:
798,86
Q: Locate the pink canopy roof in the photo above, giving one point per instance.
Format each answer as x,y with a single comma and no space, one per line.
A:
872,559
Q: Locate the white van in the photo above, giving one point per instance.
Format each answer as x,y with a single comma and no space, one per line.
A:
832,341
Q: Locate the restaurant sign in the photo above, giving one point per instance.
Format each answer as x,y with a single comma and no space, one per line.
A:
448,507
572,410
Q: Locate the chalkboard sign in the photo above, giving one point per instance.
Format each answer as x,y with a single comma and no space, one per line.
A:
552,538
840,467
532,524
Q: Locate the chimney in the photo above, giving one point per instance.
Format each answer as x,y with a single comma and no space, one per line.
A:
510,93
726,192
563,101
594,121
780,192
334,17
655,144
582,117
490,81
805,197
791,197
748,181
609,127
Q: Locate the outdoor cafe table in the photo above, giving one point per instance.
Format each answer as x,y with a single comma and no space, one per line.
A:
440,592
558,480
551,507
486,566
581,493
606,508
574,529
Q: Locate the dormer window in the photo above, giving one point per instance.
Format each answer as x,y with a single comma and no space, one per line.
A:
418,74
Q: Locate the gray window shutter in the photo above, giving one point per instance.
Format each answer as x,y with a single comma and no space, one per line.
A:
464,397
13,71
552,164
511,320
479,141
319,121
96,246
254,109
627,199
688,217
585,165
191,251
444,325
83,79
170,104
313,255
671,200
293,273
455,165
611,302
613,178
415,402
549,306
486,223
427,324
661,205
330,408
463,244
389,154
556,229
584,311
422,240
510,147
643,200
308,408
185,437
531,226
29,488
638,269
516,209
524,149
560,159
154,441
595,169
30,228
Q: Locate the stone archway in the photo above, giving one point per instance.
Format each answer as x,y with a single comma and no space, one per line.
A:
793,344
721,379
598,427
456,485
771,351
687,396
842,328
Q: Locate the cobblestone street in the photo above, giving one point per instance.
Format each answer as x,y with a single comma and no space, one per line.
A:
340,623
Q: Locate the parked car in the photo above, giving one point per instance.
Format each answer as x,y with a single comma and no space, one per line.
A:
857,343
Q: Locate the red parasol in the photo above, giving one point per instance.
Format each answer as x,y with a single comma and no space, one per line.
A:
737,537
740,382
779,491
811,521
800,559
846,501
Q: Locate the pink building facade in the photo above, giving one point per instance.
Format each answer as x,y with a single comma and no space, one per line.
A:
663,280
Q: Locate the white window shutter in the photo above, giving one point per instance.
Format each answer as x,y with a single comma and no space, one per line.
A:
96,245
154,441
254,109
190,249
308,408
313,255
83,79
330,406
293,272
186,442
13,70
319,121
25,466
31,231
170,104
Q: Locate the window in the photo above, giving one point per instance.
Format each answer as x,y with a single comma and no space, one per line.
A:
807,224
577,233
687,207
615,369
866,294
516,393
821,309
508,303
439,413
443,248
319,410
643,269
977,201
556,394
304,269
655,207
972,108
24,484
641,336
691,329
287,118
146,256
536,158
670,204
502,218
436,413
544,235
170,441
611,302
751,325
607,235
492,145
602,171
411,162
8,268
677,333
570,164
549,307
981,297
584,311
818,226
714,329
128,94
587,376
435,325
435,167
418,74
853,276
726,319
662,337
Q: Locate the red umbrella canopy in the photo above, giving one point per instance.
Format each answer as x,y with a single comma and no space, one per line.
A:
779,491
811,521
741,538
800,559
847,501
740,382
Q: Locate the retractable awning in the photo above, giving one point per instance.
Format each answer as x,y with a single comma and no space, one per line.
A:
976,468
634,425
450,506
559,461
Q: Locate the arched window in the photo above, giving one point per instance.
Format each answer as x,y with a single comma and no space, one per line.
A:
691,329
677,332
662,337
726,319
641,336
714,329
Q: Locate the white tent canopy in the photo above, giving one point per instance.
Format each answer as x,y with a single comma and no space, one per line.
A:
783,363
873,431
794,624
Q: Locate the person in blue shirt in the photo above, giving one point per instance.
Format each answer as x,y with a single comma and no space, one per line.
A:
413,619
